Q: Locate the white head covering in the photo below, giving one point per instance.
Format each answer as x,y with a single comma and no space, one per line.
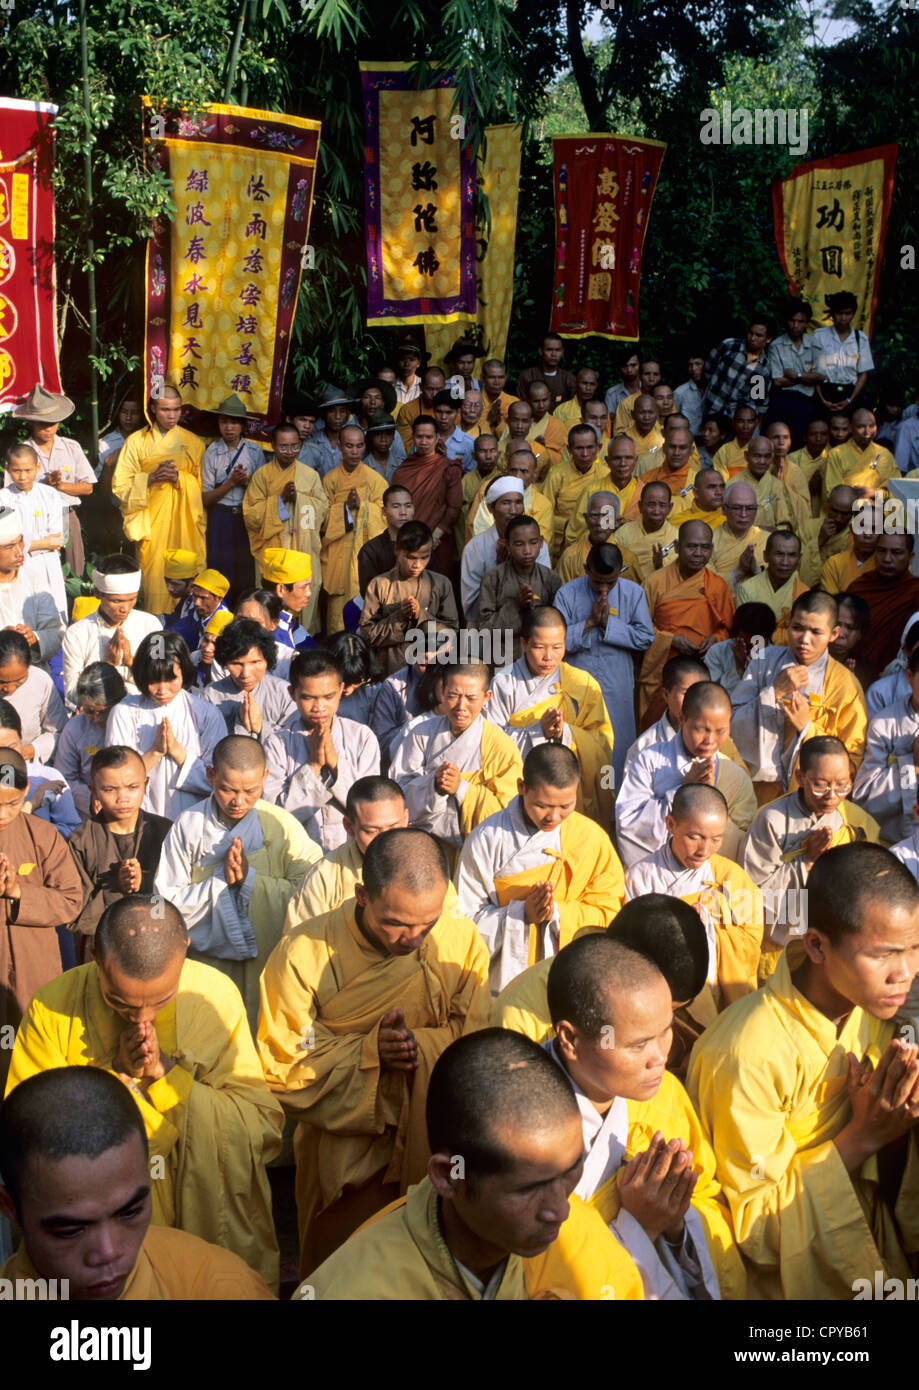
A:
10,526
116,583
502,487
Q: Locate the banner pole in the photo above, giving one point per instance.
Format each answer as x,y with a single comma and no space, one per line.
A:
90,246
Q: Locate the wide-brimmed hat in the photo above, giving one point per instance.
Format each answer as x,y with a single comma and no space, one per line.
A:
385,388
410,346
45,407
233,407
379,422
334,395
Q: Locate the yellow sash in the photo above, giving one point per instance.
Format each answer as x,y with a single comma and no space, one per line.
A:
516,887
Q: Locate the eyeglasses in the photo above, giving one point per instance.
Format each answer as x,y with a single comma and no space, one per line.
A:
828,788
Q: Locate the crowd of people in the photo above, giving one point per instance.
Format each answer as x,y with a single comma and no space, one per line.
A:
473,773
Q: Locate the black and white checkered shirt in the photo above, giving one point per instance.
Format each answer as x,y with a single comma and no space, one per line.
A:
733,381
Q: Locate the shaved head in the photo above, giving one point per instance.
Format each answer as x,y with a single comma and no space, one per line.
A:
551,765
489,1086
739,492
705,695
237,753
411,860
697,798
142,935
65,1112
587,973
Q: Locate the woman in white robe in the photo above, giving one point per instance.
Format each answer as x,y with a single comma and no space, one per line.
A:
174,731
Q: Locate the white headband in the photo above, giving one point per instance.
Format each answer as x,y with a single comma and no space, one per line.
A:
117,583
502,487
10,527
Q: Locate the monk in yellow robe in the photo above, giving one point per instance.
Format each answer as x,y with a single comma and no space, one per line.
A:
853,560
73,1145
570,412
357,1006
652,539
519,462
676,467
485,454
175,1031
774,506
453,1238
797,486
600,515
729,459
621,458
689,866
355,515
612,1013
860,462
542,697
374,804
788,836
823,537
691,609
519,429
739,545
545,430
567,483
703,501
809,1104
157,484
791,693
779,584
535,874
643,427
284,508
812,457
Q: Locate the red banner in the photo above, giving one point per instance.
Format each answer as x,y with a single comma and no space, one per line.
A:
604,185
28,324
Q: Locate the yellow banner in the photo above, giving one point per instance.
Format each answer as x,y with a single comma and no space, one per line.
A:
419,197
830,221
223,277
501,176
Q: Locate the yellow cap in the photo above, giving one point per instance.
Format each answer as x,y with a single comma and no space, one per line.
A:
213,581
82,607
215,625
180,564
285,566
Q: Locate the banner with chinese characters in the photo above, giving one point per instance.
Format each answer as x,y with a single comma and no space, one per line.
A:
604,186
223,277
830,222
28,323
419,201
500,175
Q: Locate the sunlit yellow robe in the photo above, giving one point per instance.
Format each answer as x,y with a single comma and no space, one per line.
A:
211,1121
298,531
401,1254
563,489
324,991
768,1080
670,1112
166,515
340,546
174,1266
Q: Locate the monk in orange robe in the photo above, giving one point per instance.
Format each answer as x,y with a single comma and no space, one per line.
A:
691,609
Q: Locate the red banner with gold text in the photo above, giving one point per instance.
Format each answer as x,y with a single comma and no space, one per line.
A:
28,325
604,185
